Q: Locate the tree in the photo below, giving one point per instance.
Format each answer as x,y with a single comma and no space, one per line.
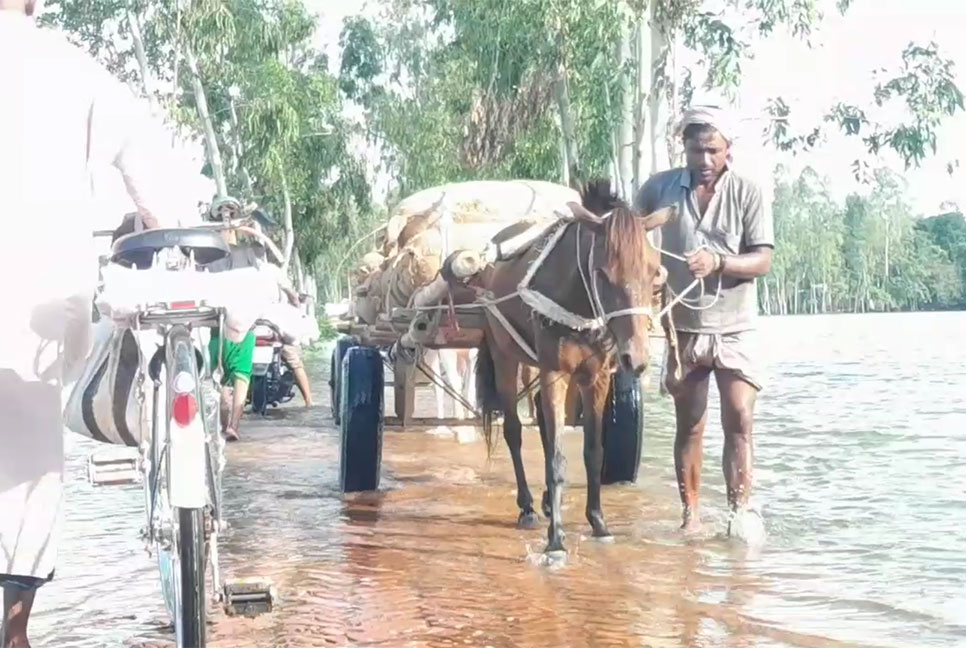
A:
872,254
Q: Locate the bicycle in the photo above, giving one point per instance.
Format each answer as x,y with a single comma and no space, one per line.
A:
182,459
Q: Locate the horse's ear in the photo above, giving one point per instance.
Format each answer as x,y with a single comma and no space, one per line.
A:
583,214
658,218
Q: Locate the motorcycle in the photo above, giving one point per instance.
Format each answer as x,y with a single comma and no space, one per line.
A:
272,380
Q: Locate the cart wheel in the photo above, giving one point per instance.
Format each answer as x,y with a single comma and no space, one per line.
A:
361,404
335,373
623,429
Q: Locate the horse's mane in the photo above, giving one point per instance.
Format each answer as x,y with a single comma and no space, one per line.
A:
625,235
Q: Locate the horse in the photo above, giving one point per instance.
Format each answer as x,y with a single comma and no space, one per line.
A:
583,311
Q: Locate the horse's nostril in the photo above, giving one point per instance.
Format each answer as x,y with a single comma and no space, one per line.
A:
626,361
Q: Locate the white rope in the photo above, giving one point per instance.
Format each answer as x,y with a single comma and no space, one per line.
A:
557,313
509,328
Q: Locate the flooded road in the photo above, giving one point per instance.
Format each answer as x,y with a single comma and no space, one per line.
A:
861,475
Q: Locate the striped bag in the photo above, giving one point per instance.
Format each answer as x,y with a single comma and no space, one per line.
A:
103,404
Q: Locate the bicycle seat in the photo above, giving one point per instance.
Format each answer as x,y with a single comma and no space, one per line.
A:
139,249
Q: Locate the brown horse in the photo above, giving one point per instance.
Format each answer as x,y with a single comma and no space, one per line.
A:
602,269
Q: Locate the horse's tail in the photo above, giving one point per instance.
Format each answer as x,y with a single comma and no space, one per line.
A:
487,395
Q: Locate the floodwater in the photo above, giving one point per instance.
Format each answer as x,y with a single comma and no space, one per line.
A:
861,474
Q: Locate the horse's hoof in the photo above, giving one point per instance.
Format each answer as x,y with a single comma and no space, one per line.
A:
555,551
603,538
528,521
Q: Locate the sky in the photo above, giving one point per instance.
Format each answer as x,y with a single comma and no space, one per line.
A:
845,52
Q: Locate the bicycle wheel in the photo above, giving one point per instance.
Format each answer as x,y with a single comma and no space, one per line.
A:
191,554
181,516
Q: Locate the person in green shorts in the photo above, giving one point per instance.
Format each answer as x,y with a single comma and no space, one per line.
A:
236,373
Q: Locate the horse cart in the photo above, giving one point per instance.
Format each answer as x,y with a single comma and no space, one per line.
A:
402,308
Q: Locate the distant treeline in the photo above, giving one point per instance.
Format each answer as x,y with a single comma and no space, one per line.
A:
870,254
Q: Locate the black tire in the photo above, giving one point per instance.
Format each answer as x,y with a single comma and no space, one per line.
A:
361,402
342,345
259,395
181,356
191,554
623,429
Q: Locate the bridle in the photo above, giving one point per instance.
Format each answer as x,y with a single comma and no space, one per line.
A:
602,317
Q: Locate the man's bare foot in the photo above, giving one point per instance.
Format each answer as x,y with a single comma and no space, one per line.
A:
231,434
691,522
18,643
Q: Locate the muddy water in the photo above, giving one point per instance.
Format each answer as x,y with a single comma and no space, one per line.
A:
861,457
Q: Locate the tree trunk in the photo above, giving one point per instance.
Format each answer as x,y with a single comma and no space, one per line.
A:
564,160
656,84
561,93
289,227
626,125
299,271
211,140
147,84
672,144
237,149
766,296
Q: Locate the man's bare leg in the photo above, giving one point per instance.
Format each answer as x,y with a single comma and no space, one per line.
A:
691,414
225,405
239,396
737,419
17,604
293,358
302,382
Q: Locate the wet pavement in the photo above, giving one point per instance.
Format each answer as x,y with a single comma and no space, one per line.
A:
864,547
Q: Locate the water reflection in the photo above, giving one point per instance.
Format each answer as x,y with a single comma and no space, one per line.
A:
859,472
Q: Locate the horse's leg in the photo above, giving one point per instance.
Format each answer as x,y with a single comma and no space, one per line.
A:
595,400
506,383
551,383
526,375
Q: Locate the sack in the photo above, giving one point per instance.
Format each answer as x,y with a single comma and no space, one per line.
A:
103,404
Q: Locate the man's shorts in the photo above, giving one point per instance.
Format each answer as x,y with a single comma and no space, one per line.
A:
236,358
291,356
24,583
732,351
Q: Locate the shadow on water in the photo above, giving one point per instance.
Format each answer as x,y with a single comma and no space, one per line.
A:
852,435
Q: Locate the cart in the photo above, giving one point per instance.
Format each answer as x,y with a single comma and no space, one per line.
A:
388,342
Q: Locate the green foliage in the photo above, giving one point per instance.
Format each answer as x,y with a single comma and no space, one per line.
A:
925,84
468,89
871,254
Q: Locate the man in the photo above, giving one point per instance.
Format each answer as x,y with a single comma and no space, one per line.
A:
724,230
236,359
61,116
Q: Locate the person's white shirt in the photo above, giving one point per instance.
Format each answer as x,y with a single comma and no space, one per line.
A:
61,115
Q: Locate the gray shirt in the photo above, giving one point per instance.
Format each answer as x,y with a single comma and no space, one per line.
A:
737,218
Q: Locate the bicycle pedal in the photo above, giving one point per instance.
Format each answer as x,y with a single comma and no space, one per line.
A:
113,468
248,597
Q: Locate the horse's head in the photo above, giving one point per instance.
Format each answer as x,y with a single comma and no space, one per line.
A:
626,269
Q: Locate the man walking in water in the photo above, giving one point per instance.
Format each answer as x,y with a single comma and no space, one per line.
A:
724,231
62,115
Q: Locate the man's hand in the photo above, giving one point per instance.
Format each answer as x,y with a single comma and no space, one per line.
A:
703,262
